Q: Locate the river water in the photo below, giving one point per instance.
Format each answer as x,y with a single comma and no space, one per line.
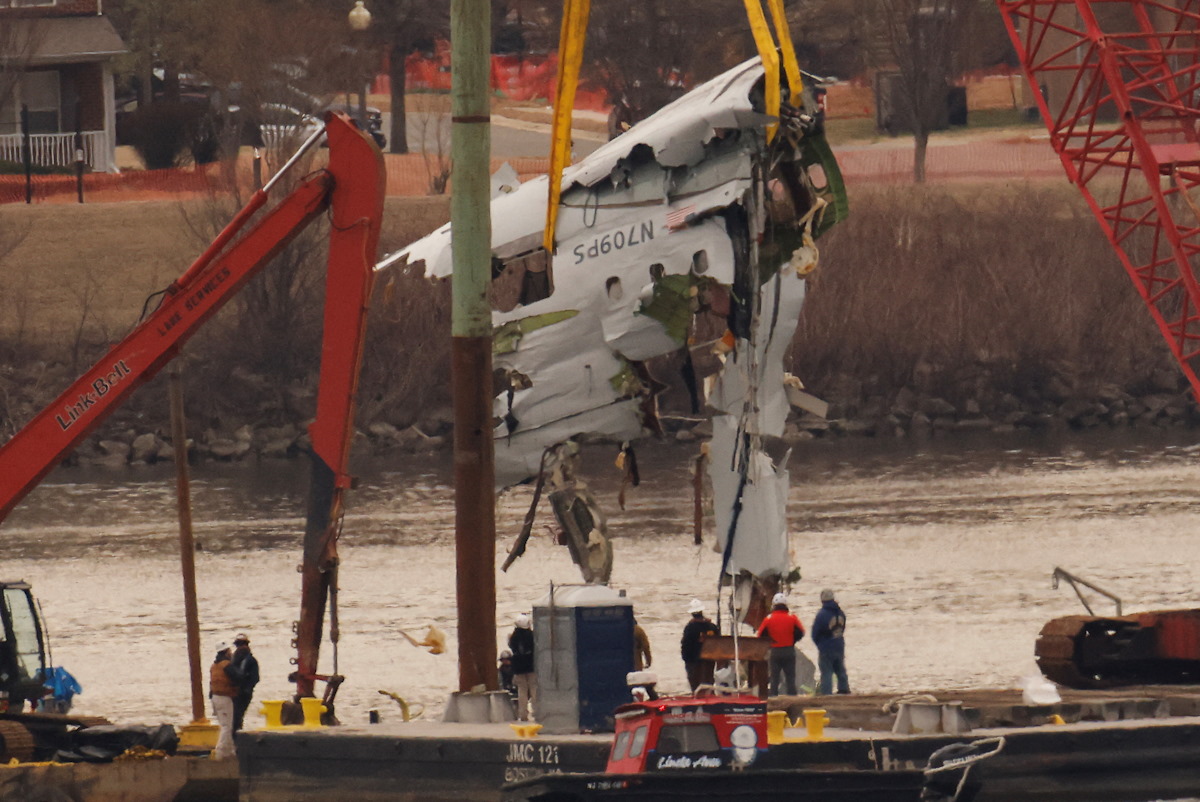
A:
941,553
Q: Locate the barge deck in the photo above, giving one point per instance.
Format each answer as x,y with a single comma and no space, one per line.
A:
1128,745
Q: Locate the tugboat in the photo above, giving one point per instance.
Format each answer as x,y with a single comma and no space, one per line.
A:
715,747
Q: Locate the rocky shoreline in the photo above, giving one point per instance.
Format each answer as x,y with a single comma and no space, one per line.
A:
936,311
1058,404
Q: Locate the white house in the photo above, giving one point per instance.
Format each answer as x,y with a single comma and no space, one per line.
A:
56,60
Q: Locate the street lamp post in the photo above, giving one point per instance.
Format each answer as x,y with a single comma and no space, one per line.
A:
360,20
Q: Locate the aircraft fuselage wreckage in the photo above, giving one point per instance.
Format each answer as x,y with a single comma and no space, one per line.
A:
709,206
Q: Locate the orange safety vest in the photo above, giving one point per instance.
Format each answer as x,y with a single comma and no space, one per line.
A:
220,683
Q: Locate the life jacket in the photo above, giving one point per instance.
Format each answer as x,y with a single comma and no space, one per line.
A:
220,683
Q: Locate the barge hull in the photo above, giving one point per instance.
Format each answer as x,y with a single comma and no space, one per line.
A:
176,779
1090,762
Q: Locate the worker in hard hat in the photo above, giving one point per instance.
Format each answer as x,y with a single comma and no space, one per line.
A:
784,630
222,688
504,675
829,630
694,633
520,642
245,672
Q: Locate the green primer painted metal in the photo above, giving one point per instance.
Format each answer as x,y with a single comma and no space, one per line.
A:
626,381
815,150
508,336
671,304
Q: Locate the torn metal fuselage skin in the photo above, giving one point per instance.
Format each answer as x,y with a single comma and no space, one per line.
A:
692,210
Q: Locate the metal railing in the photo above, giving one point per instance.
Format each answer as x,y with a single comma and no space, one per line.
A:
57,150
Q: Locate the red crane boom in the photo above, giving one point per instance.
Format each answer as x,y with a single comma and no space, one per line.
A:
351,190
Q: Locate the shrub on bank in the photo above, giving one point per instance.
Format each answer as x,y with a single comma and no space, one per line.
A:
972,291
18,168
934,308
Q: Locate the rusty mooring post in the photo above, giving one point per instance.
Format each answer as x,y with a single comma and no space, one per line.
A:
199,732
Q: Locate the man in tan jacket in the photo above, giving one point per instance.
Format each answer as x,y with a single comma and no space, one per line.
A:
222,689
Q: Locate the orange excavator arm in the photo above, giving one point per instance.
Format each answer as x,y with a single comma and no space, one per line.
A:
351,190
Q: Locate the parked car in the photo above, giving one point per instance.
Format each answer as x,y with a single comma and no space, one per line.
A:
374,121
280,124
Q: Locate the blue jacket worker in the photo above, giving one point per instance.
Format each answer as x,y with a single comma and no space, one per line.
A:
828,630
244,669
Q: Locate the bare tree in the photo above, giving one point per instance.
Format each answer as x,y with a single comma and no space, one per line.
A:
19,42
14,291
828,37
924,41
249,57
266,340
86,291
433,130
164,34
645,54
401,27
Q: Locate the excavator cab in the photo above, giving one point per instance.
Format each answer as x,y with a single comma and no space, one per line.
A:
22,647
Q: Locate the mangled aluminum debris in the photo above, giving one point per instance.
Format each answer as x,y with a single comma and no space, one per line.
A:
691,209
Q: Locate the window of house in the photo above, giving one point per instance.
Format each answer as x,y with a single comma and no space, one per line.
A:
9,119
39,91
27,3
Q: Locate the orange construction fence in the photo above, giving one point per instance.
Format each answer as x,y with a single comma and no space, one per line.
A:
416,174
409,174
517,77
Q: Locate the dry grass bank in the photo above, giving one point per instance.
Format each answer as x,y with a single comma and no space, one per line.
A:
78,277
109,257
980,294
924,286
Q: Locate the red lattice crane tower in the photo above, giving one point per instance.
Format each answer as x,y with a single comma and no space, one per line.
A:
1116,82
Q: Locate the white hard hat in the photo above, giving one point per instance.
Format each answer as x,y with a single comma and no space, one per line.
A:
222,647
522,621
695,606
779,599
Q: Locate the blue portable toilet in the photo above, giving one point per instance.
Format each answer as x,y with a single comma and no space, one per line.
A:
583,648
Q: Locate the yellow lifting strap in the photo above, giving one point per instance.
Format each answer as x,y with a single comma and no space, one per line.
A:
570,58
770,55
770,60
791,67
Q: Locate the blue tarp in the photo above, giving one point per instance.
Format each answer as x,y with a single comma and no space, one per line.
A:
61,684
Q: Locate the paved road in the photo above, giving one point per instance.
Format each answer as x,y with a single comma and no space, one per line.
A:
510,138
984,154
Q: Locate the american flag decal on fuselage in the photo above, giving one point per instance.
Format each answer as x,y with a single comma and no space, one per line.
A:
677,218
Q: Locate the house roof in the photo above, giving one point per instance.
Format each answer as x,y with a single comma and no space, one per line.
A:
63,40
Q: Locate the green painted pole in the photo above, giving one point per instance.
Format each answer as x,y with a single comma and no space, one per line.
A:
471,353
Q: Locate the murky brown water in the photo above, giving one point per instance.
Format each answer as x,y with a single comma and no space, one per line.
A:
941,553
